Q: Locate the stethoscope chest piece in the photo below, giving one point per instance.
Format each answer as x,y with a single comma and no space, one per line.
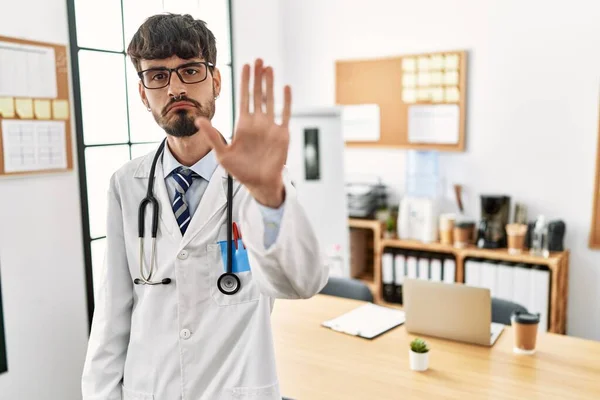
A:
228,283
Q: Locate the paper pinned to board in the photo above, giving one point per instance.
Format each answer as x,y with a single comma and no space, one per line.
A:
27,71
434,124
33,145
361,122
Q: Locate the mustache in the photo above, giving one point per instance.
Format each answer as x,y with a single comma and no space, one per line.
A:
179,100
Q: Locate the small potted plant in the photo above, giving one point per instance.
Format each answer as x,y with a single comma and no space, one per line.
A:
419,355
390,227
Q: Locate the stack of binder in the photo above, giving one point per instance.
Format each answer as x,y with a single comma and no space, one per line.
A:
524,284
396,264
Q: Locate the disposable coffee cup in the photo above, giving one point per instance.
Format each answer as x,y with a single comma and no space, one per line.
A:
525,330
463,234
447,228
516,237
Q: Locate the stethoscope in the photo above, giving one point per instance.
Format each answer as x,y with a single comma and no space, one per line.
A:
228,283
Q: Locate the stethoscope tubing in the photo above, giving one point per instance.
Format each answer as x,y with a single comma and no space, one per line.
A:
153,202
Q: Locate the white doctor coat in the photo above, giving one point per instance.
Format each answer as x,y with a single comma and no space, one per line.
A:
186,340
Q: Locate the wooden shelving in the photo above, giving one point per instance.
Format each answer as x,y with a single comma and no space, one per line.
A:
371,275
557,263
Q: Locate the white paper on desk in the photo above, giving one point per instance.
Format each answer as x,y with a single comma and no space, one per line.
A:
33,145
367,321
27,71
361,122
433,123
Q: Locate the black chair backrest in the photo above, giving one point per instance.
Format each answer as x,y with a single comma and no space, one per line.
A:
347,288
503,309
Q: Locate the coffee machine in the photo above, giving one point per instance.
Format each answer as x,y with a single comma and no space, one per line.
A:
495,213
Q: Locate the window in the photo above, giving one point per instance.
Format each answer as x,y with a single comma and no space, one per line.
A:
113,125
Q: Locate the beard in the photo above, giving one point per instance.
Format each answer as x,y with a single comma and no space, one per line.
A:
181,124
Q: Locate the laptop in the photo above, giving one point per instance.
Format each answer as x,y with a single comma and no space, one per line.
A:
450,311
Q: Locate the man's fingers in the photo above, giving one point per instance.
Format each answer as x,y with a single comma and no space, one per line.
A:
245,91
270,95
212,135
258,75
287,106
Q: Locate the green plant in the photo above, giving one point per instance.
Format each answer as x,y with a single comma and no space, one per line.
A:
419,346
390,225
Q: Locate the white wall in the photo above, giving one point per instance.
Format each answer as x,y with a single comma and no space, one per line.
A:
533,94
257,33
41,254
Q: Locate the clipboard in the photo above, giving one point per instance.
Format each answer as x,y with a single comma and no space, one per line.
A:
367,321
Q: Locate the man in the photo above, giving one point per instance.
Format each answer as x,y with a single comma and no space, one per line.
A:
183,338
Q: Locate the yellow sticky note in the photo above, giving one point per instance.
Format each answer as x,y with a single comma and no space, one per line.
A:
409,64
451,78
437,94
409,80
423,63
42,109
423,94
452,62
436,78
424,79
7,107
409,95
452,95
437,62
60,109
24,108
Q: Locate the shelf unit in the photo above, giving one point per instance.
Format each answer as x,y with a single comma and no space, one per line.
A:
369,274
557,263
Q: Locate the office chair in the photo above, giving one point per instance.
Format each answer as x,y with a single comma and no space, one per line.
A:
503,309
348,288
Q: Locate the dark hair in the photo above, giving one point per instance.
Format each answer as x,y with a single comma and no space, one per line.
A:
166,35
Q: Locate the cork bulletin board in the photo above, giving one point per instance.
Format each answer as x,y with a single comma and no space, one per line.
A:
421,98
35,121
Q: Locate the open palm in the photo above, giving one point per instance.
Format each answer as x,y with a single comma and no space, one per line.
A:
258,151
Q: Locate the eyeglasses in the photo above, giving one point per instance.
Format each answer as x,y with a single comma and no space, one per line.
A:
158,78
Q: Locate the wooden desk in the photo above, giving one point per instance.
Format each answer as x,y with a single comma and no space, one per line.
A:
317,363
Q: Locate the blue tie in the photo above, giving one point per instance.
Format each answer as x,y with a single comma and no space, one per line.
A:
183,180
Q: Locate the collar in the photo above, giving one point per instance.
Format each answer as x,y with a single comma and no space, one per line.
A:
205,167
142,171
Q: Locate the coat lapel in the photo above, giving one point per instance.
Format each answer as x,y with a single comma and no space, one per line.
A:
213,202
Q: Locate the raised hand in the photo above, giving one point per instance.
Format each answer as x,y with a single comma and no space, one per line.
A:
257,153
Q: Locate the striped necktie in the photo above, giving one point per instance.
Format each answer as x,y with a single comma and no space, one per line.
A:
183,180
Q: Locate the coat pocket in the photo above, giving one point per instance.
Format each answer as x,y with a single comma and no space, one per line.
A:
248,292
269,392
129,394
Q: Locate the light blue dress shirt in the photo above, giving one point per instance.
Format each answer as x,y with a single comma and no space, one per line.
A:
205,169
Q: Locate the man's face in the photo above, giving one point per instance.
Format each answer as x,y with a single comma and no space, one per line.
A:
176,106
